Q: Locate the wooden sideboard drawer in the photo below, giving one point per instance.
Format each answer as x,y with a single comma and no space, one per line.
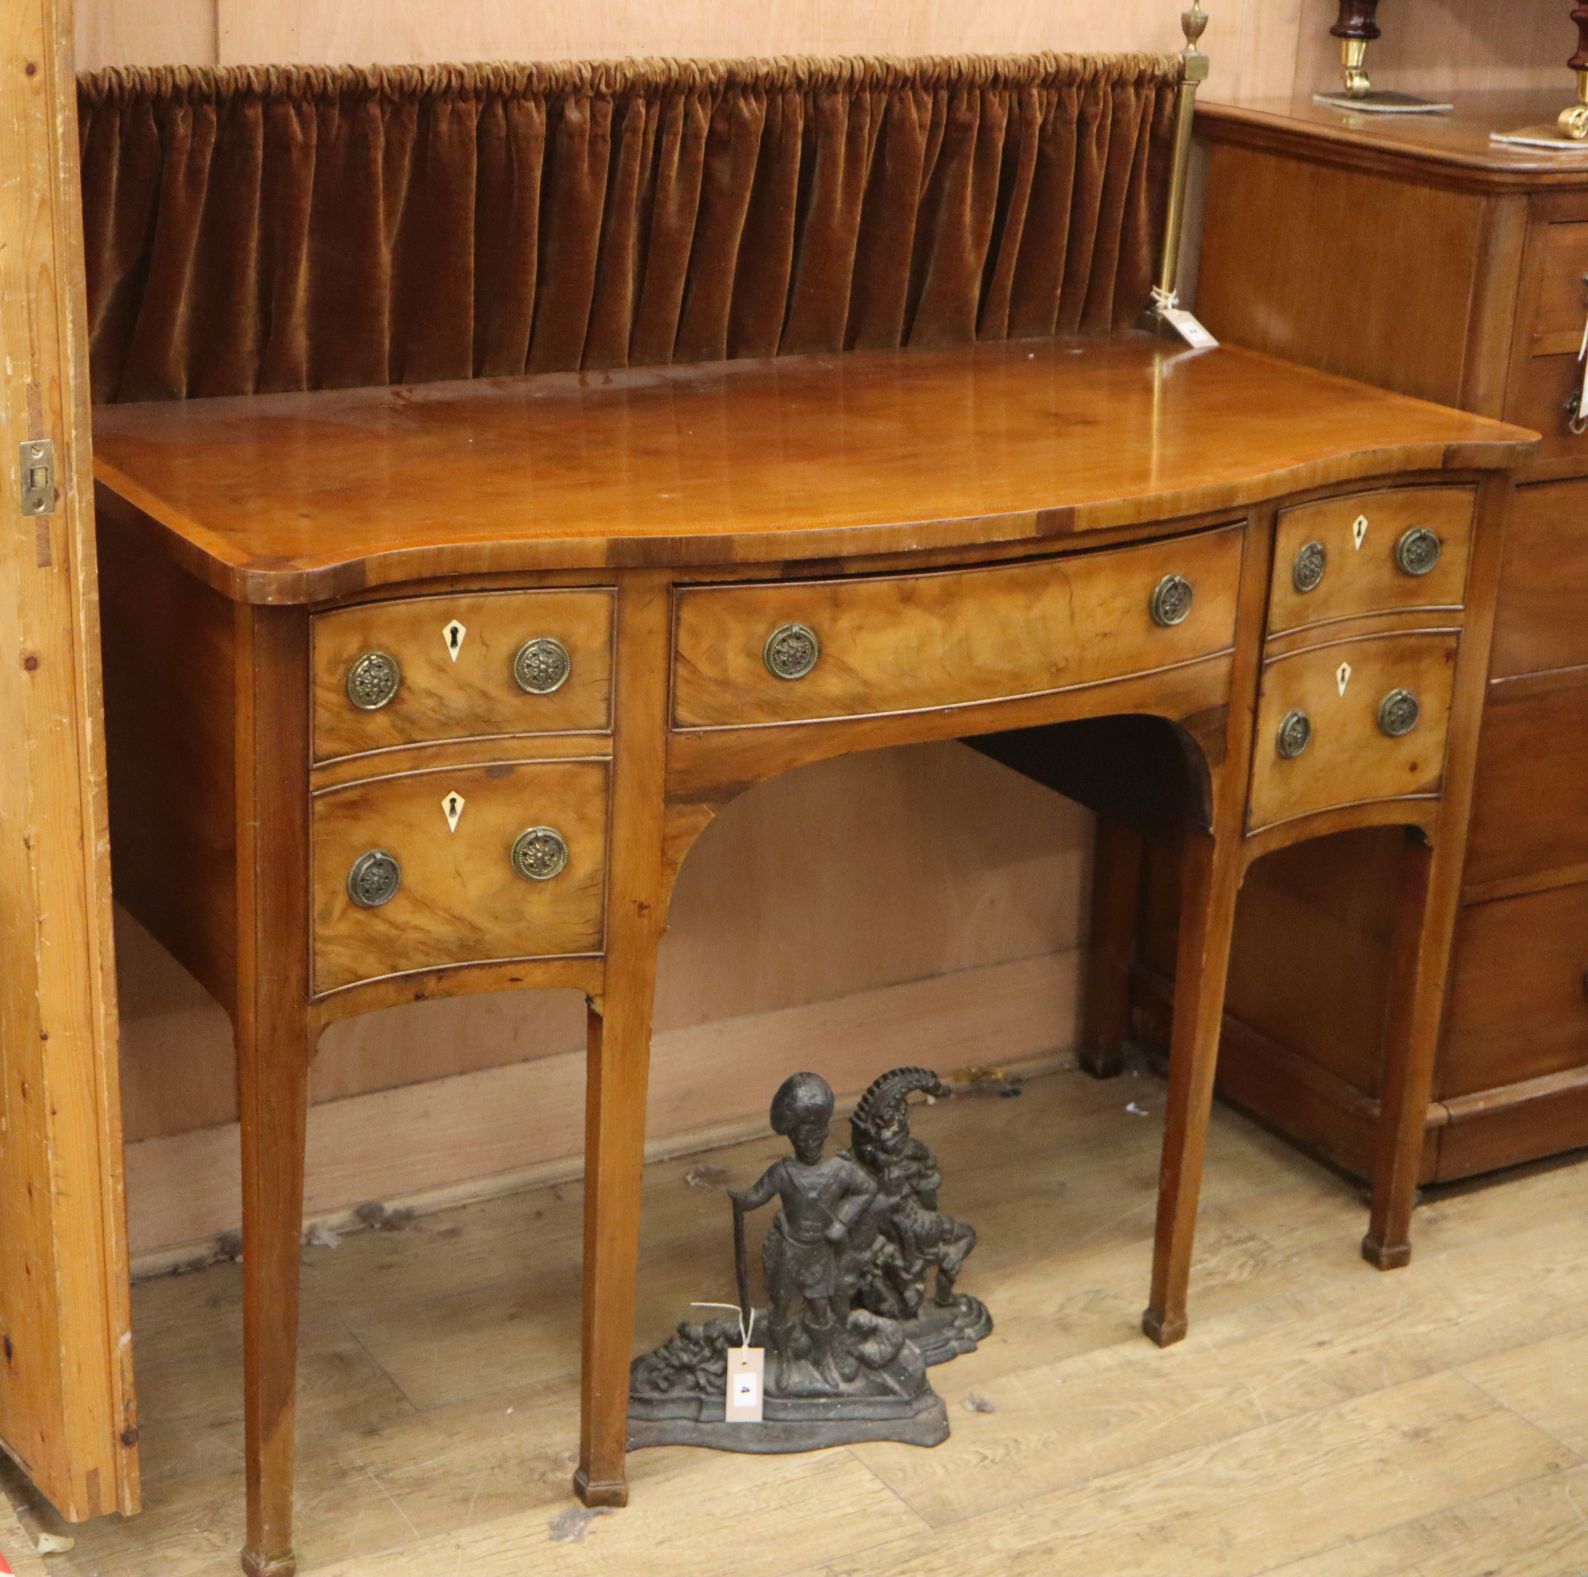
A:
1561,302
787,652
1379,552
459,896
1542,620
1530,799
1329,721
476,665
1517,1004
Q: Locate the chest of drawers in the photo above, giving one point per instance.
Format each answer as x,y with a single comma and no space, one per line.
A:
1413,253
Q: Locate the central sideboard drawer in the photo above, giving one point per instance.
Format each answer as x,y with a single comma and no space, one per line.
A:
434,895
477,665
1326,724
1398,548
800,651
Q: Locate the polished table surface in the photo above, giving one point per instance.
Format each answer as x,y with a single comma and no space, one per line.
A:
303,497
679,583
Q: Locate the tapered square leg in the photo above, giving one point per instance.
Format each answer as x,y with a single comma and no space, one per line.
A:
273,1080
1210,878
619,1053
1116,906
619,1040
1424,920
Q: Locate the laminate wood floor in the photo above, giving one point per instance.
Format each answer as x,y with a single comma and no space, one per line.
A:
1322,1420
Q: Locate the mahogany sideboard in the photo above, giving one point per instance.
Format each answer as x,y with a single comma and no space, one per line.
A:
430,689
1413,253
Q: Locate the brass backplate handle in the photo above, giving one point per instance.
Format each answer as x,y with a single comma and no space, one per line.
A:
539,853
1399,713
1306,574
374,879
791,651
542,665
1295,734
373,680
1171,601
1417,551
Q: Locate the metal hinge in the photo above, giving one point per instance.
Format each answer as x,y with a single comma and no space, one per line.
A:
38,477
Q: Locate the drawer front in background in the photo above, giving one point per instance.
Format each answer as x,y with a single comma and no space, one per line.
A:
1377,552
1530,800
456,668
1562,300
903,643
1347,756
1542,621
459,898
1517,1005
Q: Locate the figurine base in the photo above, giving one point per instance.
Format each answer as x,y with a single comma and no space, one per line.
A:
941,1332
1383,103
793,1424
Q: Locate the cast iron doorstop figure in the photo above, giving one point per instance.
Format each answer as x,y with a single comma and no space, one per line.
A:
849,1331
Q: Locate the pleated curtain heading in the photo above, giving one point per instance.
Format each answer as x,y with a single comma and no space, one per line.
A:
262,229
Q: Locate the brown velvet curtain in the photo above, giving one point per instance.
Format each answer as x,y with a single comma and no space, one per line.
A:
258,229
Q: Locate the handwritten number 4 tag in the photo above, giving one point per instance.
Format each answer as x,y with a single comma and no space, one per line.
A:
746,1380
746,1373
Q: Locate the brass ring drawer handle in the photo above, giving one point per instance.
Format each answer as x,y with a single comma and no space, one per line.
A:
1295,734
1417,551
791,651
542,665
1306,574
374,879
373,680
1399,713
1171,600
540,853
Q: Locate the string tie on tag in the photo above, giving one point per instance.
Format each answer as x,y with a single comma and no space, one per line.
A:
744,1329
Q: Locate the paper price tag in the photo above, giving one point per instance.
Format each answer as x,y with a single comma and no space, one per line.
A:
746,1374
1185,324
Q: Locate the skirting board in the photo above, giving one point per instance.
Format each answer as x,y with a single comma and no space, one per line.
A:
425,1146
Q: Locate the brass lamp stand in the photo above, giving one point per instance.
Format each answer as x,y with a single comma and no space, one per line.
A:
1356,27
1193,73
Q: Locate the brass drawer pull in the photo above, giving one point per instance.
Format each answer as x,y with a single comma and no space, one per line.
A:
1307,572
791,651
1171,601
1418,551
1399,713
373,680
1295,734
542,665
539,853
374,879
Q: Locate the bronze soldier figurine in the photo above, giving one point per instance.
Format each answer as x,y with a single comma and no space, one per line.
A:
805,1250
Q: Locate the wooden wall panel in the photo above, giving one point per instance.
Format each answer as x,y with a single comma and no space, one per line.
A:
1253,42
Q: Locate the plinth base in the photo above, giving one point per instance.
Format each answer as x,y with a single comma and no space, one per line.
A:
796,1424
1383,103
